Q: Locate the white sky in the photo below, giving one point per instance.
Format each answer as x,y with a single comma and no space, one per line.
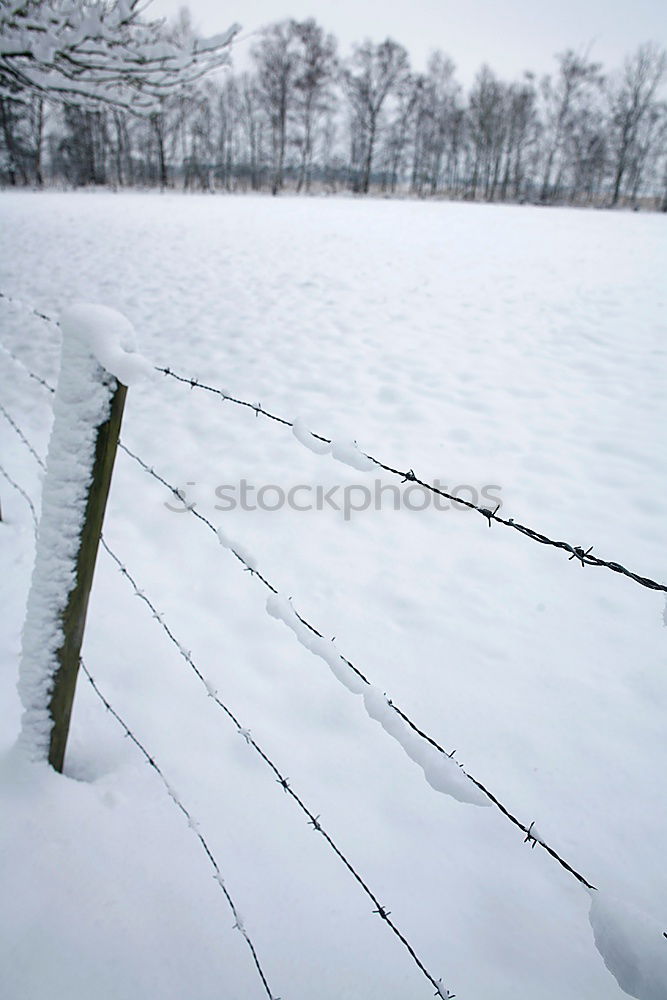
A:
511,35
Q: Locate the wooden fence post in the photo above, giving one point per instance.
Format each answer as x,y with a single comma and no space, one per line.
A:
98,361
74,614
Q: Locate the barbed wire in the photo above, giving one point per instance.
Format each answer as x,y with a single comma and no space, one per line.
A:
27,371
192,823
526,828
29,308
576,552
238,925
19,432
23,493
583,556
312,818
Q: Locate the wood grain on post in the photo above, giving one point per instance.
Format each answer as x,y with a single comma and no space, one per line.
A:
74,614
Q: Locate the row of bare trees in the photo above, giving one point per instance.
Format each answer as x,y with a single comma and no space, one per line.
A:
304,119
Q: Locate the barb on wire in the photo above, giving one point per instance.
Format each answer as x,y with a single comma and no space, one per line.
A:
194,826
523,827
27,371
19,489
29,308
282,780
584,556
22,436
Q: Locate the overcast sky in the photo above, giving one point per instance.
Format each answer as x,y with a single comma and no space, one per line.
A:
510,35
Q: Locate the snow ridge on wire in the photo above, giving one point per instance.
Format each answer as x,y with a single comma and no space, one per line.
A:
192,823
528,830
312,818
583,556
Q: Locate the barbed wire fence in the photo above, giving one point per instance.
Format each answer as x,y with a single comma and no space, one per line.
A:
583,556
526,828
193,824
312,818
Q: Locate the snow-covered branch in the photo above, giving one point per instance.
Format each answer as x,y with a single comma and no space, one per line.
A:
98,53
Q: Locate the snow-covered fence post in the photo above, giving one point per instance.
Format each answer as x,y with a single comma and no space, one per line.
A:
73,616
97,364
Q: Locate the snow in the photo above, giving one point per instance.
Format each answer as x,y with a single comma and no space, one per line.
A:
306,438
81,404
217,41
281,609
237,548
474,344
110,337
93,335
442,773
348,453
632,945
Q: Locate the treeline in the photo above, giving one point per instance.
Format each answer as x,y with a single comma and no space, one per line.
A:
305,119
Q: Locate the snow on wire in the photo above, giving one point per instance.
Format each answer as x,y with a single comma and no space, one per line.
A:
312,818
529,831
583,556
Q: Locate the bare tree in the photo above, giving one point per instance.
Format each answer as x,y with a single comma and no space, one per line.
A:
520,135
400,129
632,101
22,132
438,127
316,65
487,122
276,60
371,75
563,99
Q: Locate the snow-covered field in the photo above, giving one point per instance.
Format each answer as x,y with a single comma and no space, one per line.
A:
516,350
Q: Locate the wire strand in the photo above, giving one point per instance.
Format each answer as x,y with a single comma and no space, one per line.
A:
526,829
21,435
24,494
312,818
583,556
194,826
27,371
